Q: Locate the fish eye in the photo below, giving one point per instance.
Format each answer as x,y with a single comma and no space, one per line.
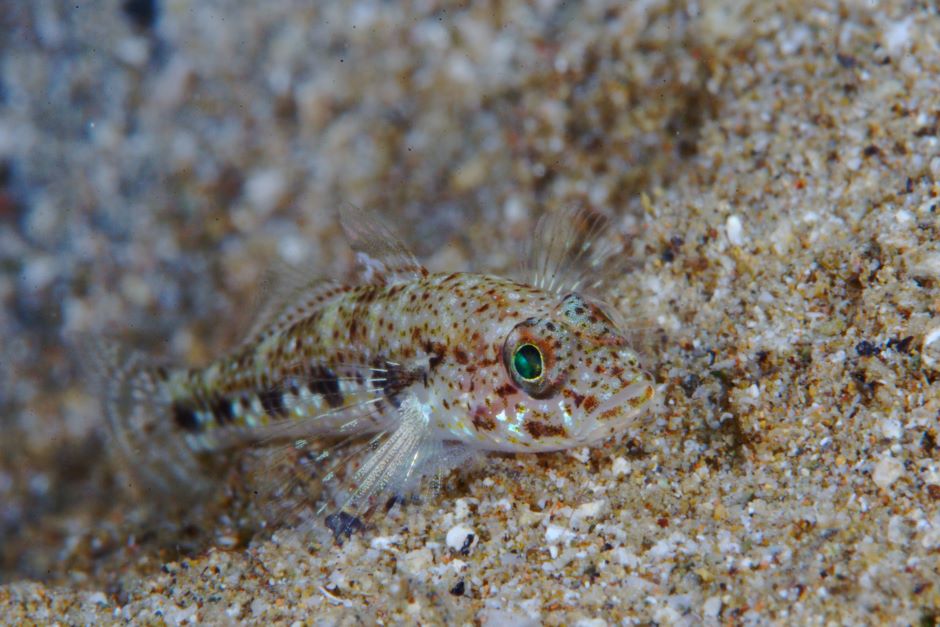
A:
535,358
527,363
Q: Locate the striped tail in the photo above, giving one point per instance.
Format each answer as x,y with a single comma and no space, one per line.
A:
136,404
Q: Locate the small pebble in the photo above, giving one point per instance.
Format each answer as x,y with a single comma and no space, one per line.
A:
458,537
887,471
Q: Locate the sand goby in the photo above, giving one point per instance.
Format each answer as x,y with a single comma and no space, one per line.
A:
428,369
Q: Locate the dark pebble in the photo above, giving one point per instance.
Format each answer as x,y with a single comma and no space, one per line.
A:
866,349
343,524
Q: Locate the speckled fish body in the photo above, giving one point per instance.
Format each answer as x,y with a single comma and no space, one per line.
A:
441,338
435,366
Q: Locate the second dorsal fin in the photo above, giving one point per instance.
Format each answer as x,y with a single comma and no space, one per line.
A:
287,293
381,255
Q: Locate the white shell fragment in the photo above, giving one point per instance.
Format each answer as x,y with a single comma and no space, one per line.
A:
458,537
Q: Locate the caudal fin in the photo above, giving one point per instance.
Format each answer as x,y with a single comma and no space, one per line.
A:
136,406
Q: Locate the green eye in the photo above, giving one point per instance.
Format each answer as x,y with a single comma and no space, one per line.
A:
527,362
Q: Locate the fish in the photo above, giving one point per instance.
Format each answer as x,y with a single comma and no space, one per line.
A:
426,369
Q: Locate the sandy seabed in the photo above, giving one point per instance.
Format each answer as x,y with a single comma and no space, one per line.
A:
778,162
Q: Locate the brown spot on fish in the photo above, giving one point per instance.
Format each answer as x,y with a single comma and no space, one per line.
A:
461,356
396,378
539,430
641,399
482,420
505,390
573,396
435,353
368,294
590,403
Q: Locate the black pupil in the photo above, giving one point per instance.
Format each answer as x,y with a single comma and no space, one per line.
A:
528,362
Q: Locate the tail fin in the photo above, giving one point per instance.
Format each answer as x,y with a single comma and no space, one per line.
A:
136,405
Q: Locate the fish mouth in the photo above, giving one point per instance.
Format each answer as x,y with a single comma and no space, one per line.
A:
635,396
619,410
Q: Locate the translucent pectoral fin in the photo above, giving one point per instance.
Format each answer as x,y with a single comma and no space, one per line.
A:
397,463
396,466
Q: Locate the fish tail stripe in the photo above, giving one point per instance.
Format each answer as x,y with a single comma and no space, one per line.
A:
324,382
221,409
185,418
272,401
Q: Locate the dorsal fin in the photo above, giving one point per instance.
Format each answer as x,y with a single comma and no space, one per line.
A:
574,250
286,293
381,255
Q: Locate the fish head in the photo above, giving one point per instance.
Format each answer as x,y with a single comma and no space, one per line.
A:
575,379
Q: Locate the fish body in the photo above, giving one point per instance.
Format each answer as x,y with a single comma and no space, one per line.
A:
434,367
